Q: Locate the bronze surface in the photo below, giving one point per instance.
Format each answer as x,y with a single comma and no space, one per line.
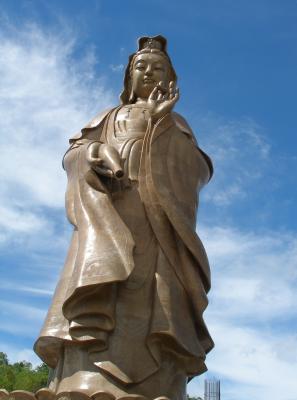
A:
126,317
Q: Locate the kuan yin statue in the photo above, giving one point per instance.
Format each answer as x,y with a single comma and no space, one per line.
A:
126,320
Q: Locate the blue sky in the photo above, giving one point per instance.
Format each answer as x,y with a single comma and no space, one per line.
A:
61,62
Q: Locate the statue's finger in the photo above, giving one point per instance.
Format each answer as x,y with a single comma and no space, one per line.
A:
176,95
172,86
166,96
162,87
171,90
154,92
175,98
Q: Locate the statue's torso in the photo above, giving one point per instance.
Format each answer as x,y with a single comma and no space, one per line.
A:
125,131
131,122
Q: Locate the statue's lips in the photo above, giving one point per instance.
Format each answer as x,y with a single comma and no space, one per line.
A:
150,81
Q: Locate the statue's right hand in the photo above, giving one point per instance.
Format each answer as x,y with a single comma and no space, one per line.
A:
162,100
97,163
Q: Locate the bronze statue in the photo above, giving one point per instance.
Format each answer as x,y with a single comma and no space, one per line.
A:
126,318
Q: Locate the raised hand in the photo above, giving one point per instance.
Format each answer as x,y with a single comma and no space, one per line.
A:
162,100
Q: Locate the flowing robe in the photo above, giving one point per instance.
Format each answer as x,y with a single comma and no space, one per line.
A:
132,291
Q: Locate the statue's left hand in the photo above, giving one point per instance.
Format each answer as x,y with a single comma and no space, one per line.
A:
161,100
105,160
96,162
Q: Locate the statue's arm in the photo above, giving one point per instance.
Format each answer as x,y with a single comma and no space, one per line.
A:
105,160
185,128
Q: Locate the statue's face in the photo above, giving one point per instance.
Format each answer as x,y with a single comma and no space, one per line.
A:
148,70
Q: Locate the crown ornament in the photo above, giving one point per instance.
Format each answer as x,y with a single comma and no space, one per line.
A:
158,43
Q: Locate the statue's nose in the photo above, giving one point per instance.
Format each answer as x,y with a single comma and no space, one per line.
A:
148,70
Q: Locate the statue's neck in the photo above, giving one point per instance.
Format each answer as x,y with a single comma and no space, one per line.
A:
141,101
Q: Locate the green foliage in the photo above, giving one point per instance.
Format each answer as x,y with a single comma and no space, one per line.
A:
193,398
3,359
21,375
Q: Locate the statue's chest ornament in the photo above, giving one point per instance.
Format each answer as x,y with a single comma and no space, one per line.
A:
131,122
125,131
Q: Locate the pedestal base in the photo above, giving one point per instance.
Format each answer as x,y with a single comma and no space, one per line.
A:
46,394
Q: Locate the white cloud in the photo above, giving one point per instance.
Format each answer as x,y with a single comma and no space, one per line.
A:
240,152
17,354
20,319
13,286
19,220
256,361
46,97
254,274
117,68
252,313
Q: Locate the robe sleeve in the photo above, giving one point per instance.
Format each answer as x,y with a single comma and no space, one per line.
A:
179,171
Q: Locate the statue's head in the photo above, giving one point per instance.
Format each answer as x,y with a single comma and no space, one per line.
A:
146,68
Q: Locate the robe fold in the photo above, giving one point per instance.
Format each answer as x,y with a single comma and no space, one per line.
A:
105,274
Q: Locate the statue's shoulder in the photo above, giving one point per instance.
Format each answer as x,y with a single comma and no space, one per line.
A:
182,124
94,123
97,119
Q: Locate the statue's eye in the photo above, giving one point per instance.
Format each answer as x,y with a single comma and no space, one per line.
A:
139,67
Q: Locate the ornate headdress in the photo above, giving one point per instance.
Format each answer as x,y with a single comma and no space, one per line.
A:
157,43
146,44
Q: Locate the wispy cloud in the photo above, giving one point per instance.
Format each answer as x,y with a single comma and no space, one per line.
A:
45,99
13,286
240,152
259,364
16,354
252,311
17,219
117,68
20,319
